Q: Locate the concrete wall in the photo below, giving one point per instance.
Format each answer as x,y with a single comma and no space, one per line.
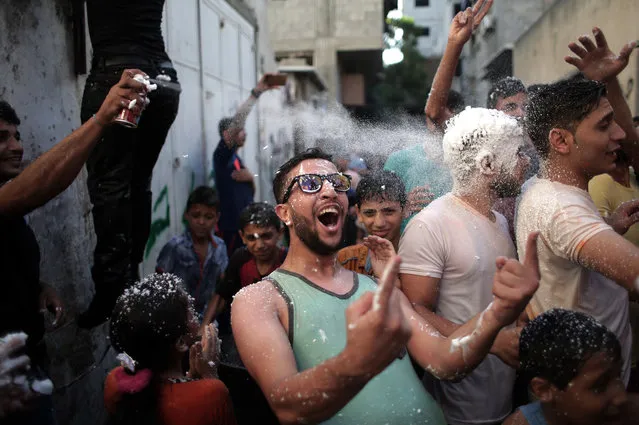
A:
37,78
505,23
539,53
318,29
436,17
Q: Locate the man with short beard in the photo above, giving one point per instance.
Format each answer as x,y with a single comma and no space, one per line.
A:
449,250
329,345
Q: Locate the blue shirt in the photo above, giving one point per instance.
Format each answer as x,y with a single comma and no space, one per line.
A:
200,279
533,413
234,196
416,169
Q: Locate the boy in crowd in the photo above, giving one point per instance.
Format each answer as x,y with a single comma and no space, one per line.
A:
197,256
380,199
574,364
260,230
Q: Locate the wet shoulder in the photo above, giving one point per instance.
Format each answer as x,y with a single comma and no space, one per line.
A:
438,210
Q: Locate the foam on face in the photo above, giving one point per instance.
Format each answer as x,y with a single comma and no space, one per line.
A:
477,131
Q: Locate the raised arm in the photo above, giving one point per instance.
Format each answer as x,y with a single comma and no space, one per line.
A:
597,62
377,332
56,169
468,345
462,27
239,119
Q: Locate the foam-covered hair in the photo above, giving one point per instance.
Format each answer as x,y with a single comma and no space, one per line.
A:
477,130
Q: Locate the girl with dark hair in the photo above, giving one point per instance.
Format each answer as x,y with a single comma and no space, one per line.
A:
153,326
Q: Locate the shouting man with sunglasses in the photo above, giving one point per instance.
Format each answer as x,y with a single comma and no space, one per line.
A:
328,345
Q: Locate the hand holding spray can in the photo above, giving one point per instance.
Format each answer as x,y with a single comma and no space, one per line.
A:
127,117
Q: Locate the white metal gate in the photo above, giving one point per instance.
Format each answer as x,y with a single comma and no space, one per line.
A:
213,50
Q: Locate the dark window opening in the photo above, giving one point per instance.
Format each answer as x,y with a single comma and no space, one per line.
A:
424,32
422,3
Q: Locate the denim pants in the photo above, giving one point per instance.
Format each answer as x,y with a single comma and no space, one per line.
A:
119,178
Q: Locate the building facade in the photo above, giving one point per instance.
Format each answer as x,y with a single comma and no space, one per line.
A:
487,57
538,55
341,39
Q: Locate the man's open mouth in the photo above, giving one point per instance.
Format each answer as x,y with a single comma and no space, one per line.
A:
329,216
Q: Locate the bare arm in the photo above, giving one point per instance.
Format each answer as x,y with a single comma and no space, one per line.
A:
310,396
422,291
462,27
377,332
239,119
213,309
599,63
613,256
56,169
466,347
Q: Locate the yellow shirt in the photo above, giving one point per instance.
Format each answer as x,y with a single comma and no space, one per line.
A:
608,195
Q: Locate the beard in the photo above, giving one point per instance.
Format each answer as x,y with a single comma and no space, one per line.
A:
506,187
310,237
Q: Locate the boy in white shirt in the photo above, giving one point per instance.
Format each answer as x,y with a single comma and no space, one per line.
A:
585,263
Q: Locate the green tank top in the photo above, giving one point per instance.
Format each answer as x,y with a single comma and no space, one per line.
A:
317,331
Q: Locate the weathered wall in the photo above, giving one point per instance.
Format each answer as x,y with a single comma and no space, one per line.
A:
539,53
37,78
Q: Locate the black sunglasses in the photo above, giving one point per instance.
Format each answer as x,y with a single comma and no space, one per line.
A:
312,183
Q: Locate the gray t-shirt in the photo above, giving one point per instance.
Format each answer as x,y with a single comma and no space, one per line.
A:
451,241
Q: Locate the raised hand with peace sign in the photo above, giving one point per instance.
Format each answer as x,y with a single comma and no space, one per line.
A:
467,21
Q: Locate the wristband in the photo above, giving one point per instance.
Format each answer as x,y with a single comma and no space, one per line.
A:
256,94
100,123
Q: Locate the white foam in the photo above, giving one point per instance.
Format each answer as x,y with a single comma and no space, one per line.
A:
44,386
462,343
144,79
475,133
163,77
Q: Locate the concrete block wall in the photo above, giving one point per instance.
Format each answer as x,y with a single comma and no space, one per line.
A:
539,53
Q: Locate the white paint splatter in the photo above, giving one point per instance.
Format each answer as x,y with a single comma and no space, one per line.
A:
323,335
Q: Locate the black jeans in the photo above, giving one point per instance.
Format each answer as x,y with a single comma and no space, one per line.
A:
119,178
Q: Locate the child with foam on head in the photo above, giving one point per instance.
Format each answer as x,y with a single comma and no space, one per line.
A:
153,326
197,256
574,366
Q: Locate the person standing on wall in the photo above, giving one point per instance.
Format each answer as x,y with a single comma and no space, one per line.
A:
124,34
233,181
